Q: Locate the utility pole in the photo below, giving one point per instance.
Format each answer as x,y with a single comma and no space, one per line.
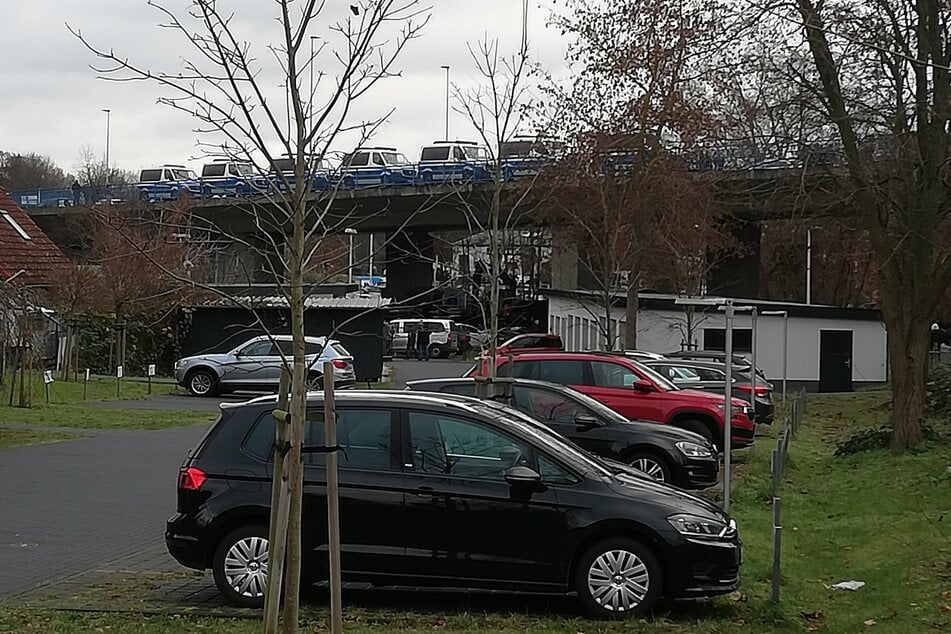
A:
108,125
447,101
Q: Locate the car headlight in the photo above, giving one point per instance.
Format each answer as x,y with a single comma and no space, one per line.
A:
177,365
693,526
693,450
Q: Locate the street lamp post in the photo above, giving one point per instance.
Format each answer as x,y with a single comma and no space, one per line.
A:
785,315
350,233
370,263
447,100
809,265
108,124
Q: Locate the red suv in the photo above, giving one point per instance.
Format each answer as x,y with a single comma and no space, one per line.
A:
635,391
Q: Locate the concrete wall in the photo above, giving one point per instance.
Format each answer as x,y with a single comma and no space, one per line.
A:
661,331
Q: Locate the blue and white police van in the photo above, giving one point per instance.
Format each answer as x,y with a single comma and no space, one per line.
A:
376,167
454,162
168,182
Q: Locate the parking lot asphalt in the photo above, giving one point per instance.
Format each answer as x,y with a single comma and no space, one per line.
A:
76,505
80,506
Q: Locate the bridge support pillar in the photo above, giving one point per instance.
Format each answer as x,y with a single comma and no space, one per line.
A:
738,275
564,262
409,266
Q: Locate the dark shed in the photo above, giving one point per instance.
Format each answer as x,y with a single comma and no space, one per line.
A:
355,321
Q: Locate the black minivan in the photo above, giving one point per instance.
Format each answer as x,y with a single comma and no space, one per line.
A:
439,490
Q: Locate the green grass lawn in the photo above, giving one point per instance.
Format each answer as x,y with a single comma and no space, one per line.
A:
67,409
875,517
19,437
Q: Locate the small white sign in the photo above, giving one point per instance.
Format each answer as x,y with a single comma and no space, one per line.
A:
48,377
119,372
152,369
87,374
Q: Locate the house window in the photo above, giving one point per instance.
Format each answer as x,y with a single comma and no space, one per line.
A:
715,339
16,225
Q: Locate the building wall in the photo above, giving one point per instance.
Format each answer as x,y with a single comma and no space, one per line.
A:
661,331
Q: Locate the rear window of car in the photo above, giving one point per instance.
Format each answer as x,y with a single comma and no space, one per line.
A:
435,326
339,349
216,169
312,348
435,154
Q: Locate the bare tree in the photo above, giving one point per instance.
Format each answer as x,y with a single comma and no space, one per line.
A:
879,69
223,84
633,110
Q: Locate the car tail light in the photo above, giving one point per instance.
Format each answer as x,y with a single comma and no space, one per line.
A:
760,390
340,364
191,479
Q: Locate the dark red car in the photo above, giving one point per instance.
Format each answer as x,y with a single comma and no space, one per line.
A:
635,391
531,342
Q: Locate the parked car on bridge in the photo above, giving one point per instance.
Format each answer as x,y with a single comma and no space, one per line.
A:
665,453
256,365
376,167
168,182
526,156
635,391
445,491
710,376
281,175
454,162
226,177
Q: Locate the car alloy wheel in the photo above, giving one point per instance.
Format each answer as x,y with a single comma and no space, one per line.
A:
651,466
314,383
618,577
618,581
201,383
240,566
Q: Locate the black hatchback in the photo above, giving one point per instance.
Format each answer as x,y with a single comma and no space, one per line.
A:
664,452
451,492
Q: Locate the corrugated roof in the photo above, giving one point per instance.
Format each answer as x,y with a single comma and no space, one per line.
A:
355,302
36,255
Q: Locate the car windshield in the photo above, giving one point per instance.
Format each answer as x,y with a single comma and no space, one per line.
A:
656,377
183,175
599,408
243,169
476,152
394,158
545,436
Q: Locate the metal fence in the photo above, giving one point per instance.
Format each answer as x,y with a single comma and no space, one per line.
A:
778,459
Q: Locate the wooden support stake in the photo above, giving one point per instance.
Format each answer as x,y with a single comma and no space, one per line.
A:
333,519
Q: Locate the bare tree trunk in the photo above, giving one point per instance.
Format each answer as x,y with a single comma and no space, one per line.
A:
908,351
630,317
609,342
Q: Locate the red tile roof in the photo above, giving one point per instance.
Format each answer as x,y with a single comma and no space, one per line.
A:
37,257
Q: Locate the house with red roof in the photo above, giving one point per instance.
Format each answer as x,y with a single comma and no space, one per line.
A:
28,258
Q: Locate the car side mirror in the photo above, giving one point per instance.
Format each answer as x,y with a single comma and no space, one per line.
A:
643,385
522,476
587,421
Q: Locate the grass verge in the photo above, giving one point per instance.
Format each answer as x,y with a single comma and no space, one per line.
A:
873,516
66,408
20,437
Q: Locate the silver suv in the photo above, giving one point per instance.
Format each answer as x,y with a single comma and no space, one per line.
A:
441,341
256,365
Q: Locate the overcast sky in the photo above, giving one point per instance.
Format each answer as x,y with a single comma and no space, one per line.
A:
52,102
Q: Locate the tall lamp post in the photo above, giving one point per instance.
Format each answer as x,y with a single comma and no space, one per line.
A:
785,315
446,68
350,233
108,124
725,305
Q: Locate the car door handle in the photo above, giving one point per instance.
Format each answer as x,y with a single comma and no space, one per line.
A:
425,491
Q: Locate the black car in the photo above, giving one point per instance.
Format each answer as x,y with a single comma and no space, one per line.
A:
710,376
666,453
448,491
715,356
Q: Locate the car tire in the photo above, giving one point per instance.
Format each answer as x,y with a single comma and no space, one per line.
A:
315,382
435,351
618,577
698,427
652,464
202,382
240,566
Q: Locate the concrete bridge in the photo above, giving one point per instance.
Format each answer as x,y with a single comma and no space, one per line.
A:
410,214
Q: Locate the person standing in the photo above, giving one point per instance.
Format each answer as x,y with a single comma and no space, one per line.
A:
410,340
77,193
422,342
